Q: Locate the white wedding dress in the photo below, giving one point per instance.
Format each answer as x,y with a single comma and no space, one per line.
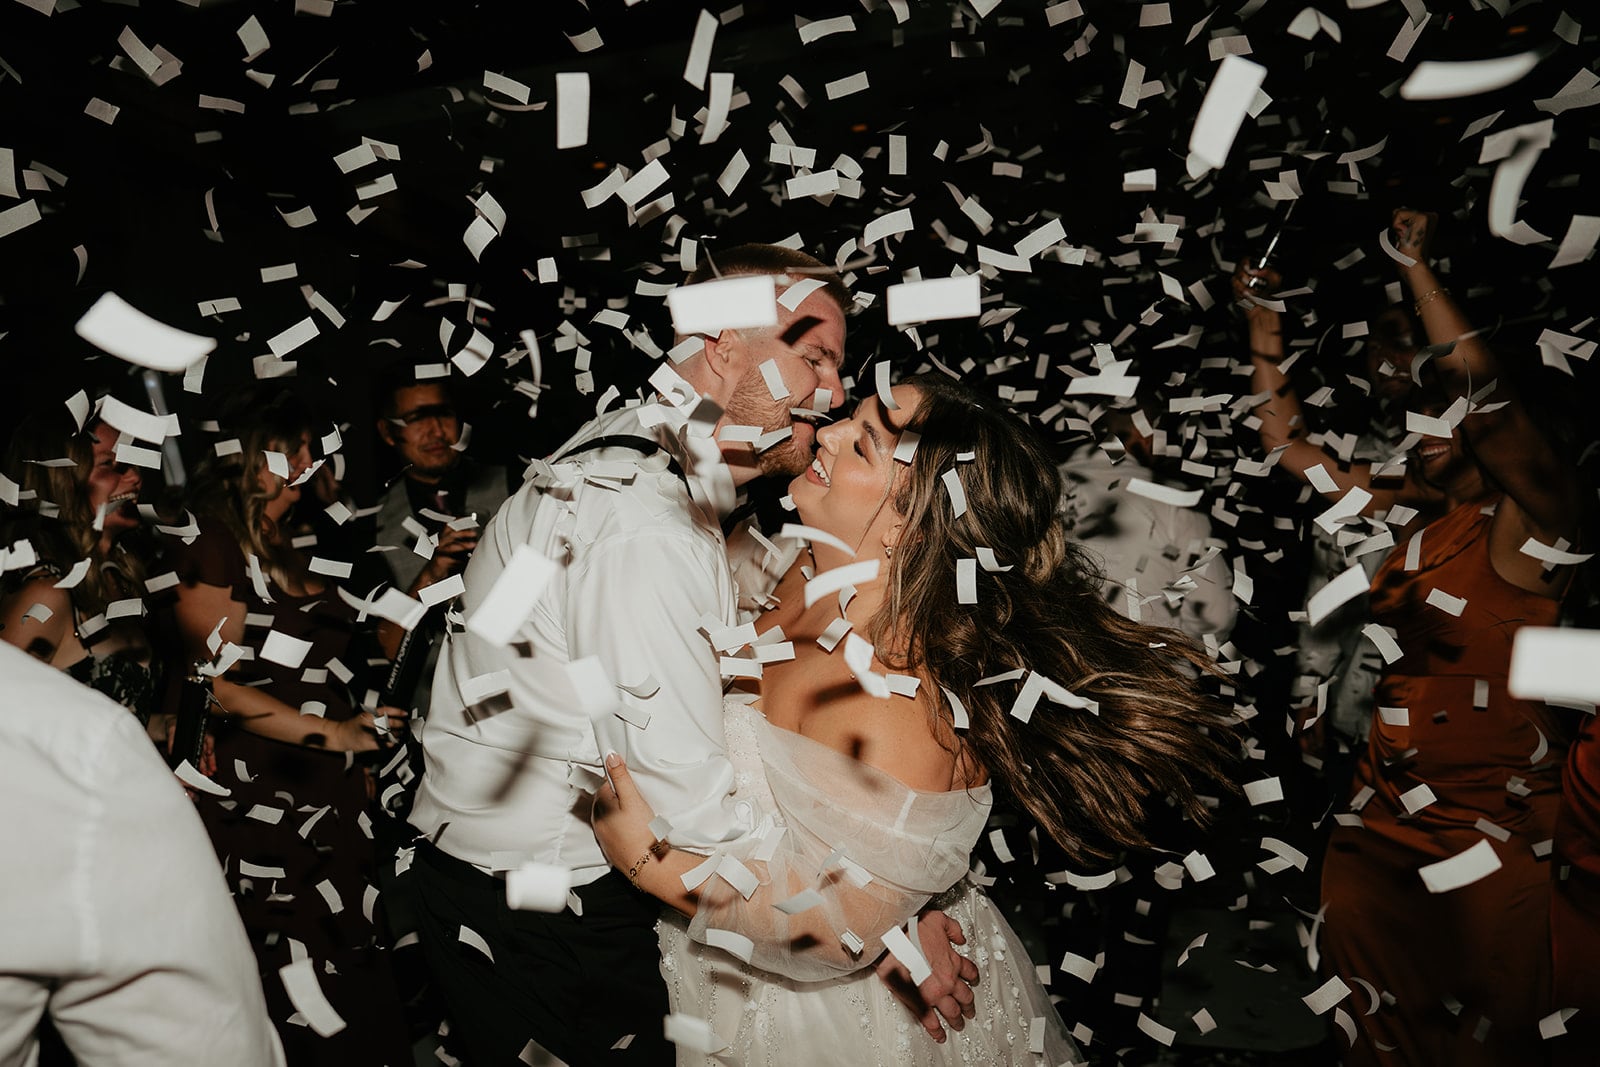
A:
873,852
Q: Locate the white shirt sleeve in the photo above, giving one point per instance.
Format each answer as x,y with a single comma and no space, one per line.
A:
122,904
635,601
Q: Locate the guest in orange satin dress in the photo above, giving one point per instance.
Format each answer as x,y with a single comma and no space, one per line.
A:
1575,904
1468,969
1462,976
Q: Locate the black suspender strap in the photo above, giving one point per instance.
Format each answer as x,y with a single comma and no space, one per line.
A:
642,445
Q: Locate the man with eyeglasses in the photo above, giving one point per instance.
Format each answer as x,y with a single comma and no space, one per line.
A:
437,489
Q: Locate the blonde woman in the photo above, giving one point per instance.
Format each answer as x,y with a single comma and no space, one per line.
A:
295,831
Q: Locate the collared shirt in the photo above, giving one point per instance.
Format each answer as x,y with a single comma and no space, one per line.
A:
117,919
511,753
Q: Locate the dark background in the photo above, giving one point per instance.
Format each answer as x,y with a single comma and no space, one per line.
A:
998,91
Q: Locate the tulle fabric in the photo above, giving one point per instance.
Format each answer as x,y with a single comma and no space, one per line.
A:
805,998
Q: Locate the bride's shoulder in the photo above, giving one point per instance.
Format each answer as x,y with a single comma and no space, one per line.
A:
893,734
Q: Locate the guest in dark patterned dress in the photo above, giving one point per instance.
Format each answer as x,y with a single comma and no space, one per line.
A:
295,835
78,605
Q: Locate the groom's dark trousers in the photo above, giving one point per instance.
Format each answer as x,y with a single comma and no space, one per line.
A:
575,985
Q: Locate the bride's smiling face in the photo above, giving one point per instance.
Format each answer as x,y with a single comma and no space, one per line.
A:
846,489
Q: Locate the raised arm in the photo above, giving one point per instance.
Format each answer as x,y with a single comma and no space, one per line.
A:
449,557
1505,440
1281,416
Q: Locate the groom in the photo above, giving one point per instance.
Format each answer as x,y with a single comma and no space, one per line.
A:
634,517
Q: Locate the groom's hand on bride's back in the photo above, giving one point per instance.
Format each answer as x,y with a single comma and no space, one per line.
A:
945,997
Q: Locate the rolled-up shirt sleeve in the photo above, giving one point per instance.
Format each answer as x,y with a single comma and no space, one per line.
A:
636,602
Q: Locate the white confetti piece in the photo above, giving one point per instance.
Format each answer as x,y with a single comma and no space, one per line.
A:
726,304
305,993
1264,791
1462,869
1284,856
189,776
1346,509
910,956
958,496
279,647
927,301
795,532
1505,192
1417,798
1035,687
1555,664
958,711
331,896
15,218
1433,80
511,599
966,581
140,424
1343,589
1165,494
115,326
254,38
1578,245
699,61
538,887
735,944
855,83
572,109
693,1034
499,83
733,173
802,901
837,578
1407,36
718,101
288,340
1155,1031
887,225
1079,967
468,936
858,658
1546,554
773,377
1450,605
1555,1024
1221,114
1103,385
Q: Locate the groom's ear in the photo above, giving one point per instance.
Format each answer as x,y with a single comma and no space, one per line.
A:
725,358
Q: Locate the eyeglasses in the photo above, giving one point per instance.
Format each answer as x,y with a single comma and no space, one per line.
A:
442,412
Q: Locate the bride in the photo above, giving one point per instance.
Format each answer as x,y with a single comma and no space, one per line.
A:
981,658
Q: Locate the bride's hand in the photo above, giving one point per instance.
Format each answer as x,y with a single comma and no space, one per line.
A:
947,993
621,818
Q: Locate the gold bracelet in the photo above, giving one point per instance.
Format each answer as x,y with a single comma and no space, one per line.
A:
633,872
1429,295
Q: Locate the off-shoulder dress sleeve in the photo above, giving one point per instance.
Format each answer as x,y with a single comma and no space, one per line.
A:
849,853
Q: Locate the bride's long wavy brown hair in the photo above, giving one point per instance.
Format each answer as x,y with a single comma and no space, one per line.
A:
1092,781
